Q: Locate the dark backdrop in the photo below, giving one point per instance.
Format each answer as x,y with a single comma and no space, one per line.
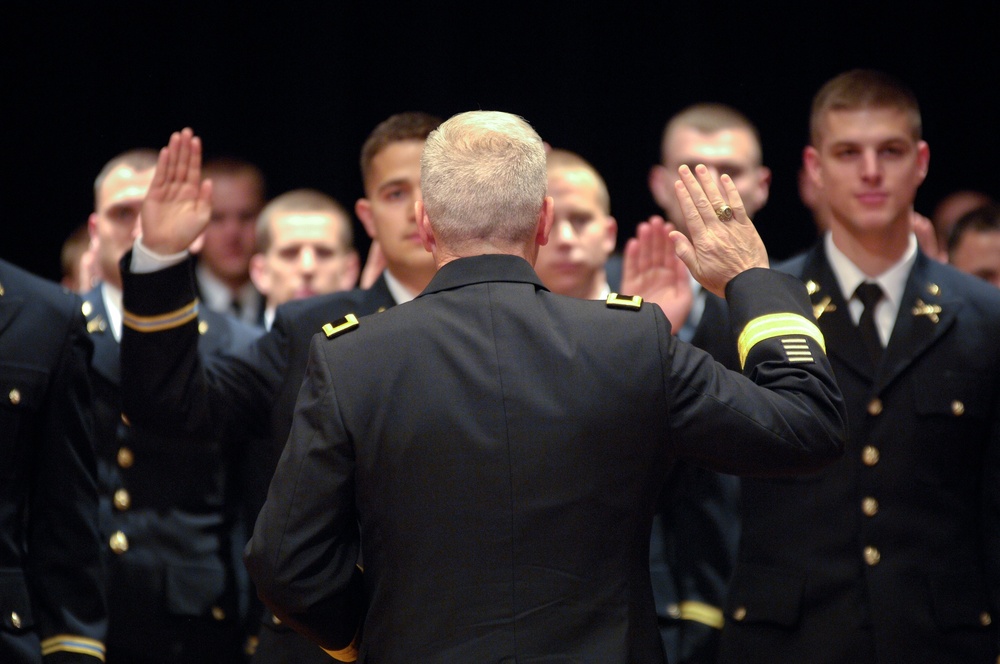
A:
297,88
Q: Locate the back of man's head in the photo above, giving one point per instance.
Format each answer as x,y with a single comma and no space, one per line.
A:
483,178
861,89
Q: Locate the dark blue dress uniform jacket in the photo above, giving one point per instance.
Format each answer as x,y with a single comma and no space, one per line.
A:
169,388
502,449
167,516
895,552
51,586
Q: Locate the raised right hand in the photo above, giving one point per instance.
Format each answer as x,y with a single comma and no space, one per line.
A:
717,250
178,206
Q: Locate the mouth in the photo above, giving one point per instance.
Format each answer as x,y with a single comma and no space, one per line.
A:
872,198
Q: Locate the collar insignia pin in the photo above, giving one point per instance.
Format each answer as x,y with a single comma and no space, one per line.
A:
823,306
929,310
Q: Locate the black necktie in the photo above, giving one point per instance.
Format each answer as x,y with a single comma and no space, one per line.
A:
870,294
235,308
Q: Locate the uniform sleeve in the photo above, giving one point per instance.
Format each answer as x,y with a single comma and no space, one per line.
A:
166,385
304,551
63,566
785,414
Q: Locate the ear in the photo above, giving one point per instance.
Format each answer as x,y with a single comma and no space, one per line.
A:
923,159
92,228
545,217
424,227
363,209
810,158
611,235
352,269
764,182
661,185
258,274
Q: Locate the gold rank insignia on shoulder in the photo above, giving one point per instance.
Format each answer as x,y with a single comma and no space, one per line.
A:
616,301
336,328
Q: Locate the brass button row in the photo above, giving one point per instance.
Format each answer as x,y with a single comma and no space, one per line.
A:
870,455
122,500
15,396
118,543
872,556
125,457
875,407
869,506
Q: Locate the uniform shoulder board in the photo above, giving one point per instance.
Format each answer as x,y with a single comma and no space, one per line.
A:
616,301
338,327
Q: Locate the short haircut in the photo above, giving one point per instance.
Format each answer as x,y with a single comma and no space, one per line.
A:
409,126
861,89
710,118
483,178
140,159
75,246
303,200
236,167
985,219
559,159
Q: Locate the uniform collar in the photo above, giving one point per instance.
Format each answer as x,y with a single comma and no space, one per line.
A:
481,269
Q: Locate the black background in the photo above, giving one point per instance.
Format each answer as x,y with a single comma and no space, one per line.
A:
296,89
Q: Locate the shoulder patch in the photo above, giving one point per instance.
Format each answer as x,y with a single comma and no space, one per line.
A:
338,327
616,301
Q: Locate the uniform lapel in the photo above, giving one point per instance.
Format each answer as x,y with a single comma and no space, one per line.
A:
832,314
106,360
926,312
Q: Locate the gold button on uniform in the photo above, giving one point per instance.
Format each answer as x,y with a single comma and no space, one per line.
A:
985,619
875,407
933,289
275,619
119,543
218,613
202,327
869,455
957,408
872,555
869,506
15,396
740,613
123,501
125,457
15,620
673,611
125,420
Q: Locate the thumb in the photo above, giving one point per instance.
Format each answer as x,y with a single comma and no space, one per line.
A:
684,250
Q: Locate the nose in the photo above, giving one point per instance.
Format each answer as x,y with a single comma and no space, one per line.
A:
871,169
564,232
307,260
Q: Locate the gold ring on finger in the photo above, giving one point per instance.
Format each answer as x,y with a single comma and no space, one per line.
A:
724,213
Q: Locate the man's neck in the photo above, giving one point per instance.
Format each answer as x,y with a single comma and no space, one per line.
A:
875,252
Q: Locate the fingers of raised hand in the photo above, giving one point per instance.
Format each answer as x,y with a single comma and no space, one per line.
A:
735,200
682,188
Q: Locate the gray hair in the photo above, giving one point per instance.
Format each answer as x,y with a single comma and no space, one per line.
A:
483,177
